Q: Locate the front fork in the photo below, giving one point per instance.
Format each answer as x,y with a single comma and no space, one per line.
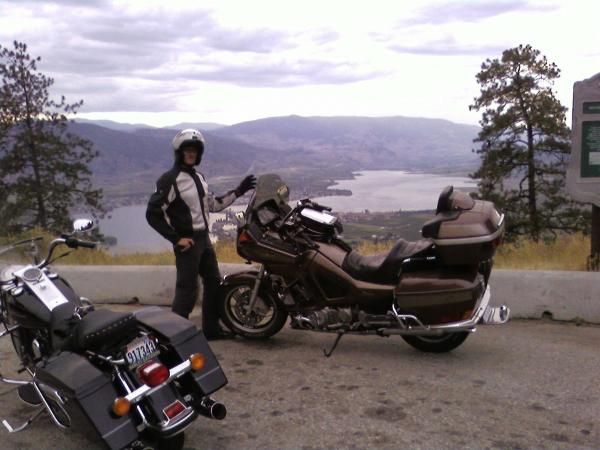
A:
254,295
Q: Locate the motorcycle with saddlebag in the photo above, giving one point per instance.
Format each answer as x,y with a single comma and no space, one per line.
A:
432,292
128,379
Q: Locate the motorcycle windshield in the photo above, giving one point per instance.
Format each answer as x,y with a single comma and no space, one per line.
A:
269,188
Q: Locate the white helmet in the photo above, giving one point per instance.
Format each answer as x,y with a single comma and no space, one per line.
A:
188,138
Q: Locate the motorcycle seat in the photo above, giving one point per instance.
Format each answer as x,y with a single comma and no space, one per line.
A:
383,268
102,328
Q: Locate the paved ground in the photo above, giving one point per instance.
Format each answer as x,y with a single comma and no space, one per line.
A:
528,384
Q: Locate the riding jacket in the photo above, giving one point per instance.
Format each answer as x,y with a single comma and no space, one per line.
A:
181,203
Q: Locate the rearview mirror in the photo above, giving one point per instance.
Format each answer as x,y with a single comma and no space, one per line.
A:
240,218
82,225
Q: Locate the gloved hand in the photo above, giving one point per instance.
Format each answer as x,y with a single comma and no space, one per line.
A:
247,183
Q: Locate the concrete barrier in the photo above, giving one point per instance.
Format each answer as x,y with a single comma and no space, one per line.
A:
529,293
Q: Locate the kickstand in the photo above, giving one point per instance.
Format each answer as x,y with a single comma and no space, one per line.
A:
337,340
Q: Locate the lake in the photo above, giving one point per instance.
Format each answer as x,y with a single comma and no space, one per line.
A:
392,190
381,190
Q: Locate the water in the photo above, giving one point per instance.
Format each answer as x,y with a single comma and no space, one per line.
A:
392,190
382,190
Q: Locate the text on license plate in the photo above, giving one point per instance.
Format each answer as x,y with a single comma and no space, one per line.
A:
140,351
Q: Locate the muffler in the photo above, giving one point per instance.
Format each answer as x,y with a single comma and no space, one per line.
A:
212,409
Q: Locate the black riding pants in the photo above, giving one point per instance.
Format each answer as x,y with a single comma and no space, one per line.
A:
200,259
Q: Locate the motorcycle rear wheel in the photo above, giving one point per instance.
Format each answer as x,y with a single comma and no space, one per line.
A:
172,443
436,344
252,325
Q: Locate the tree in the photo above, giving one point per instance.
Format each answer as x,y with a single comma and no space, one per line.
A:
525,145
44,170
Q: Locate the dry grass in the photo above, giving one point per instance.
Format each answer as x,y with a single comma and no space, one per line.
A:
568,252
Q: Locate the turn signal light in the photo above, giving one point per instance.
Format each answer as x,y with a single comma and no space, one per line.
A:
197,361
121,406
153,373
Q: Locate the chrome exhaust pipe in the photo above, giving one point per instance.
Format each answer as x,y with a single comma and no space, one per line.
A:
212,409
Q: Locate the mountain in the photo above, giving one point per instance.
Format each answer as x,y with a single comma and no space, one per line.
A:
309,152
111,125
202,126
130,162
363,142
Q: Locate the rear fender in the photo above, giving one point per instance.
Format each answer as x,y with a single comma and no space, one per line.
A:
185,339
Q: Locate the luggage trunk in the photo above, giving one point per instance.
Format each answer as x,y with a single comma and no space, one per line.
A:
465,231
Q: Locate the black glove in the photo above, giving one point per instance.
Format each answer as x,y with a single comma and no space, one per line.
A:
247,183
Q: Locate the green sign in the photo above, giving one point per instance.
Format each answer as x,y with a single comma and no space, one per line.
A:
591,107
590,149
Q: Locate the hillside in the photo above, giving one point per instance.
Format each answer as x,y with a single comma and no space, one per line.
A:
308,151
364,142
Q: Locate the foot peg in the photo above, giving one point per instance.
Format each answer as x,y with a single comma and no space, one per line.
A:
25,425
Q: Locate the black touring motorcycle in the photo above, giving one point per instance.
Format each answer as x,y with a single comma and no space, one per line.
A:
432,292
133,379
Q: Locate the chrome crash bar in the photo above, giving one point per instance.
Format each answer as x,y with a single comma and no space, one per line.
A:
484,314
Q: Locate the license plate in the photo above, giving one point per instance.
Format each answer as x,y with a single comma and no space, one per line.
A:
140,351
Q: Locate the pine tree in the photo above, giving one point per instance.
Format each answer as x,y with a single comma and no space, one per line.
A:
44,171
525,145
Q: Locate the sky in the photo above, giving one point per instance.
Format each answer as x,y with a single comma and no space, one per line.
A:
227,61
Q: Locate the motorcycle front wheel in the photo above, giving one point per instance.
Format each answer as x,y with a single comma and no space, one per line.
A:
266,318
437,344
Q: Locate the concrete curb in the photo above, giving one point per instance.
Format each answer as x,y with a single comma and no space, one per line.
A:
529,293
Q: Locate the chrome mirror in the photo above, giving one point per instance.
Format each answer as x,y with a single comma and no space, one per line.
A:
83,225
240,218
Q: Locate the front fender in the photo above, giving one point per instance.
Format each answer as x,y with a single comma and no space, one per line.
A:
247,275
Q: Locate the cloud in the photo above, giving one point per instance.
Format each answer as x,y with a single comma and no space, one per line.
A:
280,73
446,47
470,11
118,58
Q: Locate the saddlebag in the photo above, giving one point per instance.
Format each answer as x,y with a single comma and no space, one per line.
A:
439,296
186,339
90,395
465,231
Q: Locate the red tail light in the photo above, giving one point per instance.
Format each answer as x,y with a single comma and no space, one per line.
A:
153,373
174,409
244,237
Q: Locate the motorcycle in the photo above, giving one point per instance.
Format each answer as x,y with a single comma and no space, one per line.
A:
133,379
432,292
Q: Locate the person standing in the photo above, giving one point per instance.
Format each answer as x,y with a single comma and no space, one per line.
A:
179,211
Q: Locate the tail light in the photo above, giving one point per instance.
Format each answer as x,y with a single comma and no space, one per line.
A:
153,373
244,237
174,409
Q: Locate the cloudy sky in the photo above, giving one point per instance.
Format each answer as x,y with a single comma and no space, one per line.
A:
227,61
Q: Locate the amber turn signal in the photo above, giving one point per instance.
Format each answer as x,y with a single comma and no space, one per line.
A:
121,406
197,361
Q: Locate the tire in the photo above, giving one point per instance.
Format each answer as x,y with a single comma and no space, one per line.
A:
235,296
172,443
437,344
